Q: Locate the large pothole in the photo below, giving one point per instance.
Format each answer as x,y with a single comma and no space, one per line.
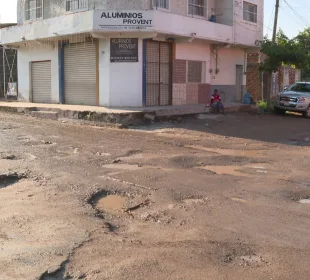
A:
115,204
10,179
109,203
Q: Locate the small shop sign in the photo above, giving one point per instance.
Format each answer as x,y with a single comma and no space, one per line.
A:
124,50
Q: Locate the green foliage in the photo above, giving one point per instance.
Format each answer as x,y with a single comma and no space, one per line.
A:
303,40
263,105
287,51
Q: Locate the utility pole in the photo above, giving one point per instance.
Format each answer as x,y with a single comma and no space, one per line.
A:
274,34
275,25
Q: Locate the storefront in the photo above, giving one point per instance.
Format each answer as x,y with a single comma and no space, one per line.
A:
119,59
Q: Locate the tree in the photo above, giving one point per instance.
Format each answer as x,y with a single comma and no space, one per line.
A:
303,41
285,51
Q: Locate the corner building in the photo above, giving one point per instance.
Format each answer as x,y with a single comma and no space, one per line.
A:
133,53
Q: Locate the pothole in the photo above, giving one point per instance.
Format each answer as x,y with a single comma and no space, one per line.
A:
240,170
233,252
226,170
22,156
8,157
119,205
10,179
106,202
113,204
230,152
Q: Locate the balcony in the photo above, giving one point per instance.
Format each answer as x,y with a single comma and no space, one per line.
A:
150,23
69,24
172,24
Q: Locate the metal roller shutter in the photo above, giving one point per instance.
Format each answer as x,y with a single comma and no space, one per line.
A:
80,85
41,81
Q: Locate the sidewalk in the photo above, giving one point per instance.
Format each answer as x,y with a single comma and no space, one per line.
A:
125,116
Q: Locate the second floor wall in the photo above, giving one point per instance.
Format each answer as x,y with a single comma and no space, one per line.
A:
220,11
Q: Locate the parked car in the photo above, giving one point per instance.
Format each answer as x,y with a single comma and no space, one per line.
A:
296,98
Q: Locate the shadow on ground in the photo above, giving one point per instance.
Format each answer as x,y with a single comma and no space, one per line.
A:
288,129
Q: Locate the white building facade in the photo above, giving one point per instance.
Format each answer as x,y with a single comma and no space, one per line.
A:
133,53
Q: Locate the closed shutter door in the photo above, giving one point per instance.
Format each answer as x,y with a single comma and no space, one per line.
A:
80,74
41,82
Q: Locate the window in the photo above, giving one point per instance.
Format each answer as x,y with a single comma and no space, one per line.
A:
33,9
73,5
300,87
197,7
249,12
194,71
164,4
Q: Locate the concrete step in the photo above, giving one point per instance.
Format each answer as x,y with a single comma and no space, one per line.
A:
45,115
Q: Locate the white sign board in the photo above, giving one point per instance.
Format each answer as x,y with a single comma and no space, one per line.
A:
12,89
122,20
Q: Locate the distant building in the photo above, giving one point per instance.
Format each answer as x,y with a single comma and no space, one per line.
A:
8,65
134,52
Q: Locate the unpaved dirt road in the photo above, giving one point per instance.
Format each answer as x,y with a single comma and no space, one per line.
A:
217,198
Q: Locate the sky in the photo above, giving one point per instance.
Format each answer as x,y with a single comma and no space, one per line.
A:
293,15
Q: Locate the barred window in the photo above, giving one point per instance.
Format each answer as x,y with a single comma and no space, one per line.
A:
197,7
73,5
164,4
33,9
194,71
249,12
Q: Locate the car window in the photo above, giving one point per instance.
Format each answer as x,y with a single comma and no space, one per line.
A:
300,87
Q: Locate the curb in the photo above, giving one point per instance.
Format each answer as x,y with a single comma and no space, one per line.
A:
122,119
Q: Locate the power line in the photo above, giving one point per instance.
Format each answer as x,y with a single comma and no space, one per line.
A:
298,22
271,17
297,14
300,6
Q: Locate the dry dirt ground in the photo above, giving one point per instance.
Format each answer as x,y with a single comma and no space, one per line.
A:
214,198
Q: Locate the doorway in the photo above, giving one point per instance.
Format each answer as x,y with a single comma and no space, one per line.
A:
158,73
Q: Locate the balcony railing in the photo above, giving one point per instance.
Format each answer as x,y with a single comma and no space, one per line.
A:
74,5
163,4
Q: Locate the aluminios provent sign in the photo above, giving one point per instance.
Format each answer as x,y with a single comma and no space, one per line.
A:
122,20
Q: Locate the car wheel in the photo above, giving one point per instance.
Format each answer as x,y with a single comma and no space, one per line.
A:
306,114
279,111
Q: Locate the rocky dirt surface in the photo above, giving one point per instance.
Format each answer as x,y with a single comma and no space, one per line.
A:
218,197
